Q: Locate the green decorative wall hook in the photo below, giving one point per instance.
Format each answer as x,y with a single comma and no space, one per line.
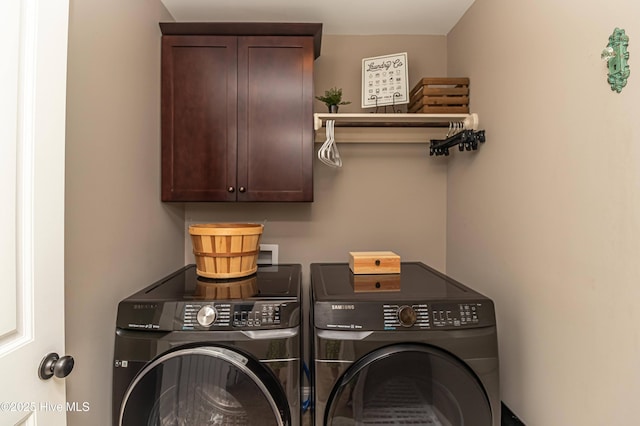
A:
616,55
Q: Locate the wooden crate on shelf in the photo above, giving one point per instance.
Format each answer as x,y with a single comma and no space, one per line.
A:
440,96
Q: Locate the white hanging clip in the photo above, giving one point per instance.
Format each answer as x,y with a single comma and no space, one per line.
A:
328,152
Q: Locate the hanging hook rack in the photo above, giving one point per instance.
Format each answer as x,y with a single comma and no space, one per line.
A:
464,138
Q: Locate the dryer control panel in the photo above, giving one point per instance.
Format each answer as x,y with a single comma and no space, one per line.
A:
404,315
433,315
455,314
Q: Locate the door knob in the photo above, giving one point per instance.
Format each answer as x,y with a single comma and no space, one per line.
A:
242,189
52,365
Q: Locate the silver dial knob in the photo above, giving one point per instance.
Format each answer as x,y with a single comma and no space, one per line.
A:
407,316
207,315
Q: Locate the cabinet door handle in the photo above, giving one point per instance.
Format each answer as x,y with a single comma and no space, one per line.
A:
242,189
231,189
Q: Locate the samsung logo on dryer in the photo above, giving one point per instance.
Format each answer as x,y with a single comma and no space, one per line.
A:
342,307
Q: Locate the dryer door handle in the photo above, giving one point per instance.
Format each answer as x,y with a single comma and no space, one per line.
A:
284,333
343,335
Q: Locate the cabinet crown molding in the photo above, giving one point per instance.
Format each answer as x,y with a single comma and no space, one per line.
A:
247,29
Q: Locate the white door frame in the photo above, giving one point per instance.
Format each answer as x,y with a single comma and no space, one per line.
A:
32,153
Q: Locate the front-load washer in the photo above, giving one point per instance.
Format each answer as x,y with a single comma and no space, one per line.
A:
411,348
195,351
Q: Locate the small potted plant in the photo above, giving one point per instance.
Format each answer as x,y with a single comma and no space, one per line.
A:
332,98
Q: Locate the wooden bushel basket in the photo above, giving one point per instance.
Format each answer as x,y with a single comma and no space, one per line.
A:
226,250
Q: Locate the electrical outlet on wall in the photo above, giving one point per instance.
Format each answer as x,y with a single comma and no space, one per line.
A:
268,254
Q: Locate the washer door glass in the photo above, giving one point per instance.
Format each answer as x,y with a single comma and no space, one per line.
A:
408,384
204,386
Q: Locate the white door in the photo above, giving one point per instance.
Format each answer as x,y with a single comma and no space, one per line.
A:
32,132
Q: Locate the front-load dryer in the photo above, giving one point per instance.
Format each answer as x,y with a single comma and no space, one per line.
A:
195,351
411,348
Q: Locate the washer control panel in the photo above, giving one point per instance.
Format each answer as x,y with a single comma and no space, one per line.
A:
205,315
215,315
256,315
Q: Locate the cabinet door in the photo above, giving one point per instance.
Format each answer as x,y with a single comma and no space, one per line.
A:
275,110
199,118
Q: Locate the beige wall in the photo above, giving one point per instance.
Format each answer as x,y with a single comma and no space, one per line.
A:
385,197
119,237
546,217
543,218
340,62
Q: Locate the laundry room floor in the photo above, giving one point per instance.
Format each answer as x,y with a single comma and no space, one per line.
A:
510,419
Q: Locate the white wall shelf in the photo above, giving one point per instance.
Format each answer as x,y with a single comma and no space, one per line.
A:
395,120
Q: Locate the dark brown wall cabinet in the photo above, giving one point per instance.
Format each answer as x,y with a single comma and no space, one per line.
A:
237,111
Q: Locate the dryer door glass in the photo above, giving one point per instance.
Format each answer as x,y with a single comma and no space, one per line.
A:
204,386
408,384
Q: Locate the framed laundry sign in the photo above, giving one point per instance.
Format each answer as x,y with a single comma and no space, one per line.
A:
385,80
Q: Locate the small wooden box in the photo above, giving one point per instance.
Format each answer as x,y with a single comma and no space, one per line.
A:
440,96
374,262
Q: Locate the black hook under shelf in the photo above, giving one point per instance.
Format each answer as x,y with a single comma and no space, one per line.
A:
465,140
